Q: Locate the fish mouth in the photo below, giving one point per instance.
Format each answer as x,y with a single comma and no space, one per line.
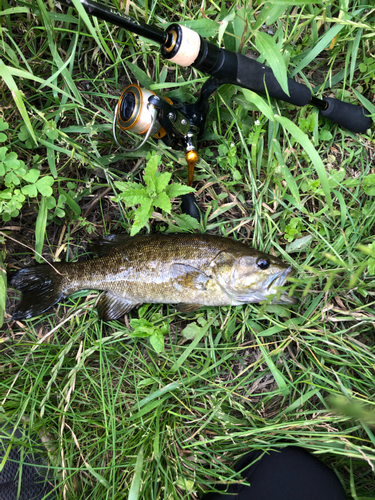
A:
279,281
280,278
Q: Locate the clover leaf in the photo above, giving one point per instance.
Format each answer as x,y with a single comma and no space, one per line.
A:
44,185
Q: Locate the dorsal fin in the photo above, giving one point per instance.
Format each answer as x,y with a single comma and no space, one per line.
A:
101,246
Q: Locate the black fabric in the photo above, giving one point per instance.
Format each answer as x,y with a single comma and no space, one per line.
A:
31,467
287,474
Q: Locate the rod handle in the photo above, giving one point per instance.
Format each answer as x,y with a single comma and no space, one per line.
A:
258,77
245,72
347,115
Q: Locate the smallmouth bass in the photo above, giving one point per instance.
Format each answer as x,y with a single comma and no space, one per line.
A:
189,270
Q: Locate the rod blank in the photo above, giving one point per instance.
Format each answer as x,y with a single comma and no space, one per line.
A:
120,19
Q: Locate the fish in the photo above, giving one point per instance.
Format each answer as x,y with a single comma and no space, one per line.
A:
188,270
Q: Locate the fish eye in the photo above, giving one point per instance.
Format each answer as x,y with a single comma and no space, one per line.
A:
263,263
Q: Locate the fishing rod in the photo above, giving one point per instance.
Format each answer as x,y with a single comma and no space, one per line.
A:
143,112
185,47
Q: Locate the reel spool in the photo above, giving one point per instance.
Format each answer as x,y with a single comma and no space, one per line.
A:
134,113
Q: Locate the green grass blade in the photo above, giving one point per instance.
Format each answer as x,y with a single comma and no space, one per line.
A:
192,346
343,207
320,46
365,102
259,102
279,378
57,72
103,42
14,10
269,14
292,2
354,54
98,476
305,142
17,96
87,21
29,76
291,183
136,482
169,85
268,49
142,76
301,401
3,287
52,161
54,51
40,229
71,203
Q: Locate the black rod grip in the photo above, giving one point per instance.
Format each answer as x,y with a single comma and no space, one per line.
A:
257,77
347,115
247,73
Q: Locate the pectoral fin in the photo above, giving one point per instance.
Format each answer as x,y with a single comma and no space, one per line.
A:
188,277
111,306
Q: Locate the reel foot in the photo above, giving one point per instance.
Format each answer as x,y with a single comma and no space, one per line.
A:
189,206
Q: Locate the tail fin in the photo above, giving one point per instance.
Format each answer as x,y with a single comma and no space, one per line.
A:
41,288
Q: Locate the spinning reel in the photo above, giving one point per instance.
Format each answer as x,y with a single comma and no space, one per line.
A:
135,112
143,112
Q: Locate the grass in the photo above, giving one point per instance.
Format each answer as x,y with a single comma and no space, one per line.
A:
127,421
